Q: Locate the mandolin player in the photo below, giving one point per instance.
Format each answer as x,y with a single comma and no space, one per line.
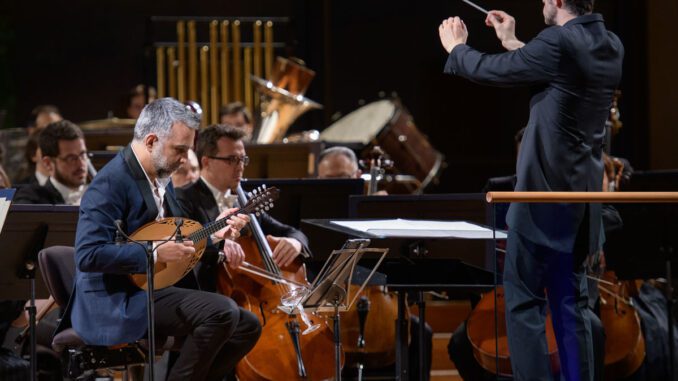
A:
106,308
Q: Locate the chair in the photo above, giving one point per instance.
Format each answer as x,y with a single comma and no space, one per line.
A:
57,264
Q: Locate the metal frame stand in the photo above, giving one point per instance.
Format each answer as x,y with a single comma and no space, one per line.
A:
150,309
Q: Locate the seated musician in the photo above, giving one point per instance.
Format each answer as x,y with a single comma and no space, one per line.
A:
64,154
341,163
33,171
106,307
221,153
237,115
188,172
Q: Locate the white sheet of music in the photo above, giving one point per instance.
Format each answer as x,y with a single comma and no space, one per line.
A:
421,228
5,202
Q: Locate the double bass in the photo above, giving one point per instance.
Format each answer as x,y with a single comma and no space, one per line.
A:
292,346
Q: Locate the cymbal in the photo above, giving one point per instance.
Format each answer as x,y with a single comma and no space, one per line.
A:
107,123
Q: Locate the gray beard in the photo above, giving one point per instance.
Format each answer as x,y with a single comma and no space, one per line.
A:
162,168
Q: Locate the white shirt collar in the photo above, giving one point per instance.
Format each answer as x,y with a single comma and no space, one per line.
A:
42,179
71,196
224,199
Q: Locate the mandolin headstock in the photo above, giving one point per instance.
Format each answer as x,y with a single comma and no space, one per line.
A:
261,199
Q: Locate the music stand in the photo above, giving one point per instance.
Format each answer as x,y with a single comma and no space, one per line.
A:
329,291
26,232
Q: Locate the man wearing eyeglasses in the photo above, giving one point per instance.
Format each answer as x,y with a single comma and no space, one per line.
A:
222,157
64,154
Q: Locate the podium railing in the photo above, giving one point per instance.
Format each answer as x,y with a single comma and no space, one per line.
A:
579,197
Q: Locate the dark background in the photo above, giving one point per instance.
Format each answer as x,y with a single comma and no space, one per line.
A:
83,56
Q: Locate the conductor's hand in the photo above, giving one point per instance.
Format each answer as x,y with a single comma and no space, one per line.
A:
172,251
235,224
452,32
234,254
286,249
505,27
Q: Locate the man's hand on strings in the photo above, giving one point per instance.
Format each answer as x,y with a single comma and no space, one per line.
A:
286,249
173,251
452,33
233,253
235,224
505,27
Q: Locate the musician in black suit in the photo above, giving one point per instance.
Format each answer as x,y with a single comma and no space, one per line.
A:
579,63
64,154
222,157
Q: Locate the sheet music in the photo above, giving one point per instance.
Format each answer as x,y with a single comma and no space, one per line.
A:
420,228
6,196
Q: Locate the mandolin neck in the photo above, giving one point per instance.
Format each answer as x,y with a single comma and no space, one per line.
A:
217,225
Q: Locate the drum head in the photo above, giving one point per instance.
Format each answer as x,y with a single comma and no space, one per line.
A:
362,125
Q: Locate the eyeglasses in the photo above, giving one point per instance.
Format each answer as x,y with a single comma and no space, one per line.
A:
73,158
233,160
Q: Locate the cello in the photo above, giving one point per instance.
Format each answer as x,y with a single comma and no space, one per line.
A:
624,343
480,329
283,351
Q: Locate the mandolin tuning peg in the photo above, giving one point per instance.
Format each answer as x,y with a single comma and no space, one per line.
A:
266,208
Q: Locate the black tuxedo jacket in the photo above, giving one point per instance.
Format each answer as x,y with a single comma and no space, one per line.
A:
37,194
579,64
198,203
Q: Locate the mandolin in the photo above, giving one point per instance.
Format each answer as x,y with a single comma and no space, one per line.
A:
167,274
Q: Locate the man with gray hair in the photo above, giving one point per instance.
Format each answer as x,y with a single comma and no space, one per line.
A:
106,308
338,163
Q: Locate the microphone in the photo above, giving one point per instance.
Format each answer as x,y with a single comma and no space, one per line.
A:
119,239
178,238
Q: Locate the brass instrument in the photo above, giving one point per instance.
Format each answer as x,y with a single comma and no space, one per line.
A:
282,100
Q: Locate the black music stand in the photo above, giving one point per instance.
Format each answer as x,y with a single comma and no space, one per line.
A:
309,198
407,244
329,291
26,231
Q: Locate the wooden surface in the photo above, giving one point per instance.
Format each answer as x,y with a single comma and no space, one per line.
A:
581,197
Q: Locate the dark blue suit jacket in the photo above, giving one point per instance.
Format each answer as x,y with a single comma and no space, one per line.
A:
580,64
106,308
